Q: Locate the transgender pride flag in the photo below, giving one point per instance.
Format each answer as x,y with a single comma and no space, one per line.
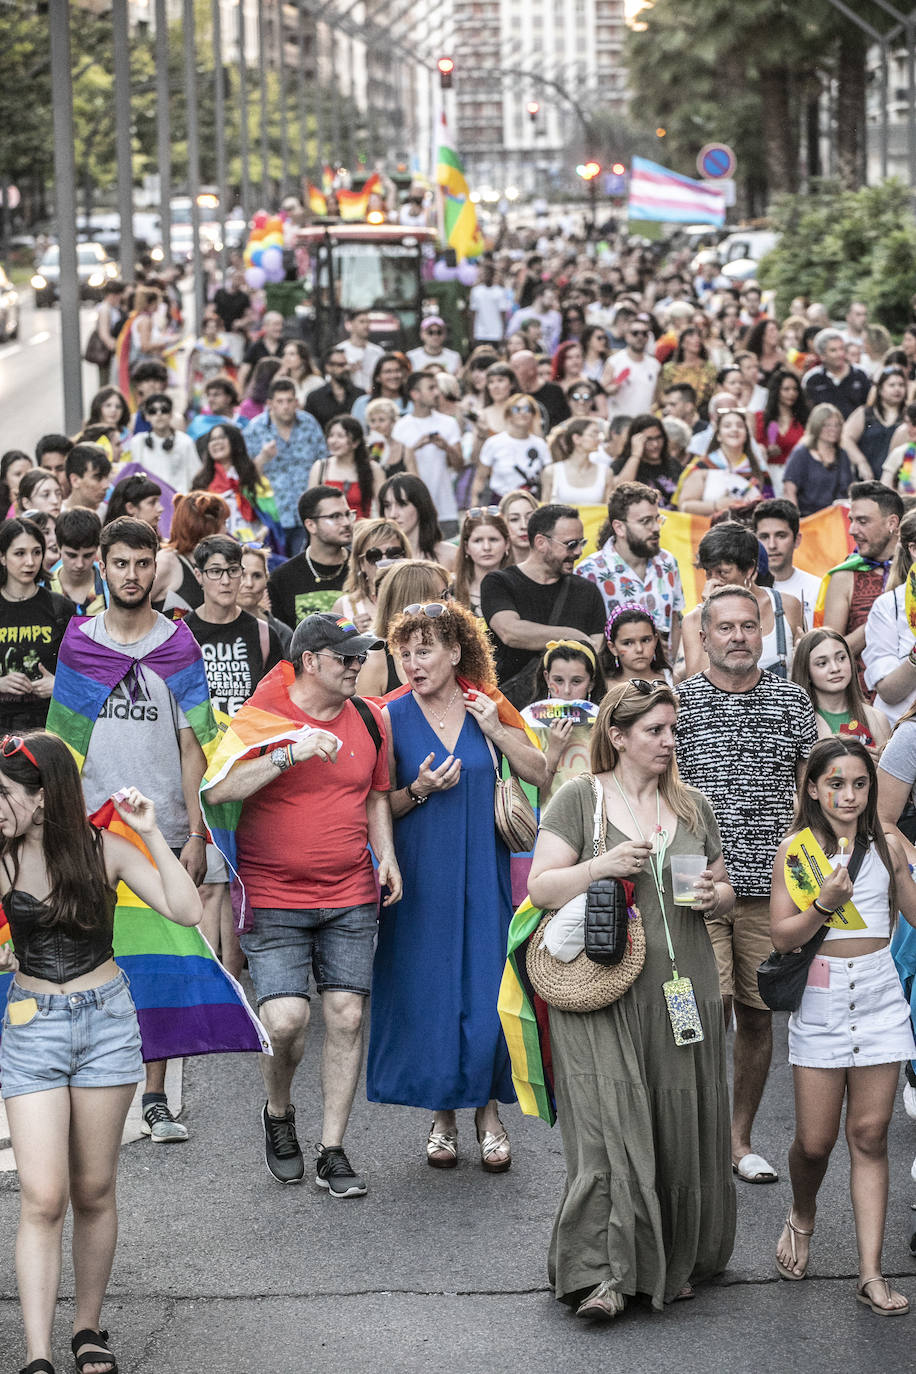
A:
657,194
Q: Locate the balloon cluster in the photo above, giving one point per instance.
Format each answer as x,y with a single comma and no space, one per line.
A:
465,272
263,253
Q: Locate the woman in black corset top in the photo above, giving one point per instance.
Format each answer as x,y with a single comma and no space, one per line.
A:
70,1051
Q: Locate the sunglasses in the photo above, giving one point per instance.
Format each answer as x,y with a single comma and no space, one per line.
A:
15,744
159,410
480,512
657,684
393,553
433,329
431,609
348,660
571,545
581,396
520,410
639,333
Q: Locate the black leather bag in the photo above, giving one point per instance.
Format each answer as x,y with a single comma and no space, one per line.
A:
605,921
782,978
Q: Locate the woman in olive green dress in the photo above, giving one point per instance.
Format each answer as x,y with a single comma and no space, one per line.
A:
649,1202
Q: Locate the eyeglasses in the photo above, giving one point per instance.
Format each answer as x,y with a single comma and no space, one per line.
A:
571,545
639,333
581,396
347,660
392,553
431,609
520,410
433,329
480,512
217,574
159,410
15,744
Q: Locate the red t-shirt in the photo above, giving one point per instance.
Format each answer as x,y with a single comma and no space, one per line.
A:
302,840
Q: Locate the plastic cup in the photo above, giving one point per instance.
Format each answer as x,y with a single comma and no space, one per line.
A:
685,870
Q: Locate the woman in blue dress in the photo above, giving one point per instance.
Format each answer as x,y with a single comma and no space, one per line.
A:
436,1040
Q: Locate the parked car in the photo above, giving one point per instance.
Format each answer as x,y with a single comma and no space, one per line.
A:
9,308
93,268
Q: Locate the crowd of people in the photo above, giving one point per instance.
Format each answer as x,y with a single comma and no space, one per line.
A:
382,565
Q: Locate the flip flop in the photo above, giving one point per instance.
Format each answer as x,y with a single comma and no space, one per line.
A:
879,1309
755,1169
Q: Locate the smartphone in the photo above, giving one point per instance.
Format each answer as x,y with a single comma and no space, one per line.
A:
683,1011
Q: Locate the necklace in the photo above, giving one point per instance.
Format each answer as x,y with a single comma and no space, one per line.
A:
452,700
328,577
28,596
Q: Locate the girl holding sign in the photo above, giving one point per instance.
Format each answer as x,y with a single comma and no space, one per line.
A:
852,1029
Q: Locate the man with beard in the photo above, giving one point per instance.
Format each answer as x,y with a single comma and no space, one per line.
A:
875,512
142,737
540,599
742,737
631,568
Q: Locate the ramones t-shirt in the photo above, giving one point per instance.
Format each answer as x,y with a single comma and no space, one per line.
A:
30,635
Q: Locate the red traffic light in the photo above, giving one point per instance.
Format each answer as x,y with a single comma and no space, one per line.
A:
618,169
446,66
532,107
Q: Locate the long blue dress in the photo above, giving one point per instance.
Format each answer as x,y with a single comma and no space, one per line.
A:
436,1039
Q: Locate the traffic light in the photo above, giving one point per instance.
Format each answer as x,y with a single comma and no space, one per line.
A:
446,67
618,169
588,170
533,107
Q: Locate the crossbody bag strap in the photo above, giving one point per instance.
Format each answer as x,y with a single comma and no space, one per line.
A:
559,606
779,616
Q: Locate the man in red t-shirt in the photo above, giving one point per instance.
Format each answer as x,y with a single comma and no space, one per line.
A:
311,809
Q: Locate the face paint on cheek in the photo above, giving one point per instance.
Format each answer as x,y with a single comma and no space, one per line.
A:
835,774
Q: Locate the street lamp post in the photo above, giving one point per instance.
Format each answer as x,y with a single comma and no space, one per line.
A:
244,142
219,103
190,79
65,205
262,83
301,105
121,43
163,131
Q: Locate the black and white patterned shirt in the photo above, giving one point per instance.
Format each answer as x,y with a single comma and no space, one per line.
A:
740,749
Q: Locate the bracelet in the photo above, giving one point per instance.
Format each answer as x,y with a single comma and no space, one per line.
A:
911,657
196,835
289,751
823,910
415,796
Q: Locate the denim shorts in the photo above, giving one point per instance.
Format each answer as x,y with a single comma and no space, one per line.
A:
87,1039
336,943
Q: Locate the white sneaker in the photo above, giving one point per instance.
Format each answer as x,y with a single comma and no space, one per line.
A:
909,1100
913,1177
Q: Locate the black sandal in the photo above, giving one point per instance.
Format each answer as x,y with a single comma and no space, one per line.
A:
102,1356
38,1367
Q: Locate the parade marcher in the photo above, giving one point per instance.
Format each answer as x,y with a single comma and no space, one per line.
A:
633,646
630,564
32,623
777,527
434,439
569,671
728,475
144,731
312,905
852,1029
649,1203
780,426
833,380
70,1055
176,589
338,396
819,471
253,595
432,347
361,354
313,579
868,431
575,476
88,469
630,377
645,458
446,943
76,575
888,653
824,668
412,581
164,451
137,496
515,508
39,490
516,457
875,512
406,501
376,545
284,443
349,467
483,547
539,599
742,737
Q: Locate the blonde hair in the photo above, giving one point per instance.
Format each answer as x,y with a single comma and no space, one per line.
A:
816,421
623,706
365,533
381,403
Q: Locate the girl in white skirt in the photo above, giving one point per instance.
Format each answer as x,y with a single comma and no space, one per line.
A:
853,1028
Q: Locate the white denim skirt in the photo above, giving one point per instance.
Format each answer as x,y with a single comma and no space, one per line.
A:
853,1013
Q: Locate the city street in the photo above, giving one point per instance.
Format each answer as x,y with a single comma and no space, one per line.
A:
220,1268
31,398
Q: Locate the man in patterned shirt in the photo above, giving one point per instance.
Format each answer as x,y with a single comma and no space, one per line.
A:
742,737
631,568
284,443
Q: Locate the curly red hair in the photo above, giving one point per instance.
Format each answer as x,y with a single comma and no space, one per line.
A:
456,625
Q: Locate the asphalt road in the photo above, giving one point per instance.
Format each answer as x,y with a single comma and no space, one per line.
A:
219,1268
31,395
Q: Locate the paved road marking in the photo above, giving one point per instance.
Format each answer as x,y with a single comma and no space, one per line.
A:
40,338
9,350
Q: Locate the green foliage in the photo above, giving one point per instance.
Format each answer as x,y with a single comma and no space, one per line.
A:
838,246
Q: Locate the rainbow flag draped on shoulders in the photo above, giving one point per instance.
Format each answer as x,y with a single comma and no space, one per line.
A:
263,723
187,1003
525,1022
856,562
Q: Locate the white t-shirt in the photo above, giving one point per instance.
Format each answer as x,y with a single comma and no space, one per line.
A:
366,355
888,640
448,358
636,392
432,464
805,586
487,306
178,466
513,462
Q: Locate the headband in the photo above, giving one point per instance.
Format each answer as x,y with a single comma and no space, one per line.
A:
577,644
620,610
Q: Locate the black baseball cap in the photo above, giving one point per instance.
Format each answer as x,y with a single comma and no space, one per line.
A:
327,631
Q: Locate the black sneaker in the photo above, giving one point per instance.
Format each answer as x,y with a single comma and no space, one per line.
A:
281,1148
335,1174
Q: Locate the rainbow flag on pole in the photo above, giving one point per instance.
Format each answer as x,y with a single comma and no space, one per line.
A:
458,218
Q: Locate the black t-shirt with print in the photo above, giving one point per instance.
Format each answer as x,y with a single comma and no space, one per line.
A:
30,635
296,592
233,657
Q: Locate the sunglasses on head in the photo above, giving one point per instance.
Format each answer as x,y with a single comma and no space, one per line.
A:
647,688
392,553
480,512
432,609
15,744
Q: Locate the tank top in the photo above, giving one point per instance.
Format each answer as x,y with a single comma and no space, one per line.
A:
350,491
867,585
778,645
566,494
53,952
869,894
875,440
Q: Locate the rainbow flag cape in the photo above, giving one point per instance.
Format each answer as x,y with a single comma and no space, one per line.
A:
856,562
186,1001
806,868
525,1022
122,359
260,725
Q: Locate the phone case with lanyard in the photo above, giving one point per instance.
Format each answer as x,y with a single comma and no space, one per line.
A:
683,1011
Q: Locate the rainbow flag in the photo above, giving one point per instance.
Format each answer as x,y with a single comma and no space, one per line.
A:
317,201
458,215
354,205
186,1001
525,1022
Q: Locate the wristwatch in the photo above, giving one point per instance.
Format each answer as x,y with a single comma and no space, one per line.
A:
280,759
415,796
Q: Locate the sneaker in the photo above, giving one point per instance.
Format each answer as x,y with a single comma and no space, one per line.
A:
281,1148
161,1127
909,1100
335,1174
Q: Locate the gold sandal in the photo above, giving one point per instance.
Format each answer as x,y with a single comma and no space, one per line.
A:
442,1148
794,1231
878,1308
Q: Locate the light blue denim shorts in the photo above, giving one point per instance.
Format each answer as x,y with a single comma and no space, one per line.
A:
87,1039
